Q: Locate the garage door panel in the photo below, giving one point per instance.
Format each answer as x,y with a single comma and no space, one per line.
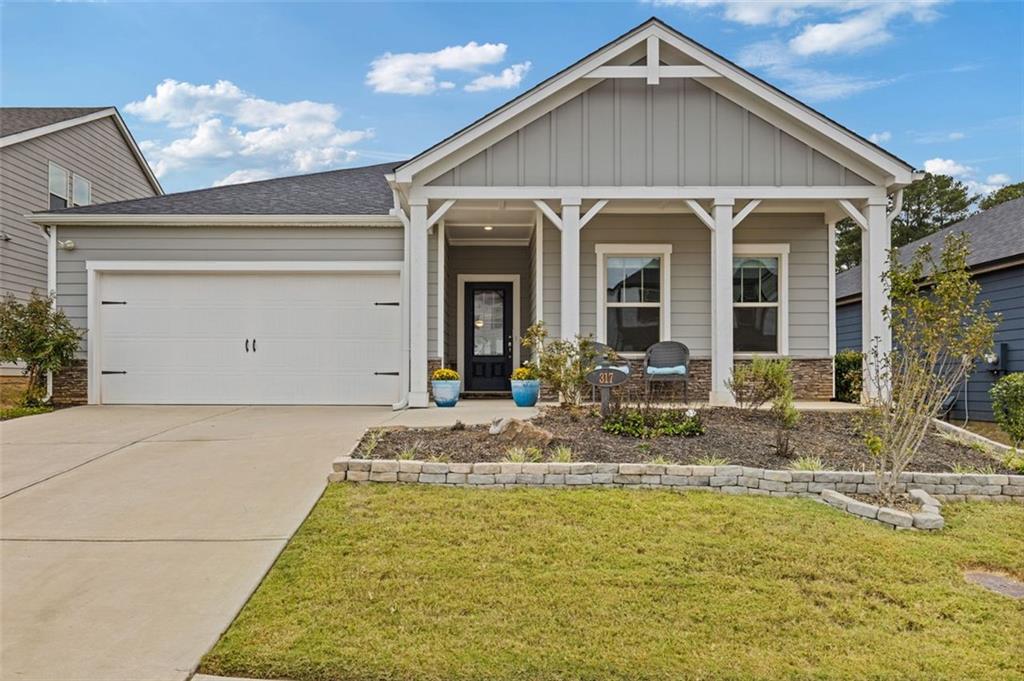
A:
320,338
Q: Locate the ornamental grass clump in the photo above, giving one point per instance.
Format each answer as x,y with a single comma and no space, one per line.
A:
939,330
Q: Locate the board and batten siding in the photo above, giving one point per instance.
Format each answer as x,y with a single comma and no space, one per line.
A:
806,235
96,151
1004,290
211,244
483,260
622,132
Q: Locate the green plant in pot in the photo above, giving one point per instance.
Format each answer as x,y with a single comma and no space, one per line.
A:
525,386
445,384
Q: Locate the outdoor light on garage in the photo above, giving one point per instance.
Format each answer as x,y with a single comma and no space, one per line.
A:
488,228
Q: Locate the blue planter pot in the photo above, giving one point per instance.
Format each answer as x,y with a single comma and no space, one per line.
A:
446,393
525,393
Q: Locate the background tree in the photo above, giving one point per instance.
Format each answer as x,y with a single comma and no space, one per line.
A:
1002,195
930,204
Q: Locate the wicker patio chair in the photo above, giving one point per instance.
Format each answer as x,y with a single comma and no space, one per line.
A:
667,361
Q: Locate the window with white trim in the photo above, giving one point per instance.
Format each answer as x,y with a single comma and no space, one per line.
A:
67,189
632,295
759,284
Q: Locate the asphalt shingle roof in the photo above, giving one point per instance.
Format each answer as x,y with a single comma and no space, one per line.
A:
15,119
995,234
349,191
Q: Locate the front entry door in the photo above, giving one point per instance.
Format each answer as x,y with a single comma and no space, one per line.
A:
489,336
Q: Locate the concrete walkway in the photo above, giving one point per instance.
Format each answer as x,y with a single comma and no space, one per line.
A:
131,536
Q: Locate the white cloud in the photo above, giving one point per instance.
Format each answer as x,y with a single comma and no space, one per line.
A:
240,176
759,12
880,137
414,73
955,136
506,80
224,123
998,179
946,166
813,85
862,26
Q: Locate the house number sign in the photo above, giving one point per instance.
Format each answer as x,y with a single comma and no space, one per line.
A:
606,379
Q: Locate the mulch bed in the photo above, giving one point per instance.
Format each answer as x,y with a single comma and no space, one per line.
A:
742,437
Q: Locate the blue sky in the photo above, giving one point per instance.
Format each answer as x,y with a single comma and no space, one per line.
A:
221,92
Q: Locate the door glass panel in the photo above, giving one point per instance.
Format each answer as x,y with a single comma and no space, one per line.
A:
488,323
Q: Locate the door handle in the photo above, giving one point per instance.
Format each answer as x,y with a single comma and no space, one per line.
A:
247,345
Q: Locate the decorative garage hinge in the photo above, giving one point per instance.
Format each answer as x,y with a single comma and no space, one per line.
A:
113,372
113,302
388,304
385,373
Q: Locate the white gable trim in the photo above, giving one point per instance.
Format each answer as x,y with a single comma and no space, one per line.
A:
26,135
775,107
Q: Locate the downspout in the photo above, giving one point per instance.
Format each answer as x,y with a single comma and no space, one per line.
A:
403,401
51,289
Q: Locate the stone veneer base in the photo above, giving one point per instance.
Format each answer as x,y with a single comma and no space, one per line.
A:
828,486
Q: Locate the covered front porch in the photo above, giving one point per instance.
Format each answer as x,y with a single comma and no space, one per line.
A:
729,278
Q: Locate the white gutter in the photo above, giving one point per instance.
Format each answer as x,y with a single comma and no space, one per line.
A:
114,220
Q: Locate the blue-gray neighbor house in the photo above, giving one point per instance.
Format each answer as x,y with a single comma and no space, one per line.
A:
997,262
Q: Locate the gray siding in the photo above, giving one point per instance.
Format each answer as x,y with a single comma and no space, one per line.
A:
691,273
1004,289
97,151
211,243
483,260
552,303
624,132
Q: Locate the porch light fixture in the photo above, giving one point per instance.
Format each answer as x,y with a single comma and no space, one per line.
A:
488,228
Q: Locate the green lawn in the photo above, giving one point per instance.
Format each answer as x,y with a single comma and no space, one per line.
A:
415,582
8,413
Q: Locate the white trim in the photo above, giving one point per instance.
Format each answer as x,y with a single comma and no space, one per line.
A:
658,193
203,220
484,241
592,213
745,211
832,290
549,212
853,213
95,268
701,214
780,251
440,212
26,135
439,322
462,280
663,251
896,208
653,74
538,263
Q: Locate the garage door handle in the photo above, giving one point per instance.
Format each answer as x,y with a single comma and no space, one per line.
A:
254,345
247,345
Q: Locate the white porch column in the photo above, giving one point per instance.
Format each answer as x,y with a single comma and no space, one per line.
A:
440,290
875,332
721,302
570,313
418,396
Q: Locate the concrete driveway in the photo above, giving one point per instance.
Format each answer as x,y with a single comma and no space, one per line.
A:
131,536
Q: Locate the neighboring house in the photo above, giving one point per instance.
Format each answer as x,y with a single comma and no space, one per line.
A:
997,263
52,158
653,190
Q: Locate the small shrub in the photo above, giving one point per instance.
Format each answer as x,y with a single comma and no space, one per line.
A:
563,365
755,383
645,423
661,460
807,463
644,447
526,373
965,468
370,442
784,411
523,455
849,375
440,457
712,461
458,425
411,452
1008,406
561,454
444,374
1014,461
39,335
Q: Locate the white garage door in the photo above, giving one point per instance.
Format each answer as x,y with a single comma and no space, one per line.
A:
249,338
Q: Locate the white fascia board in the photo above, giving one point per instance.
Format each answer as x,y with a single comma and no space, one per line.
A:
114,220
663,193
243,266
137,152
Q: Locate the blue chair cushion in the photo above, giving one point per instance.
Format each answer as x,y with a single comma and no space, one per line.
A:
667,371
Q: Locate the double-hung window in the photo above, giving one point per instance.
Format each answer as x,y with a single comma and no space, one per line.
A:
759,299
633,295
67,189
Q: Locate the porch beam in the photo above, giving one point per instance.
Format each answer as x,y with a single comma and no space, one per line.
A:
701,214
418,305
876,335
401,215
556,220
721,302
663,71
570,312
439,213
592,213
896,207
653,59
662,193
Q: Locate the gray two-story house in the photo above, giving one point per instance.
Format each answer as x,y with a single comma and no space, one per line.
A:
53,158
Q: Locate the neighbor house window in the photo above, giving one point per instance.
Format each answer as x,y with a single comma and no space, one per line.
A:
60,186
68,189
758,296
632,295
